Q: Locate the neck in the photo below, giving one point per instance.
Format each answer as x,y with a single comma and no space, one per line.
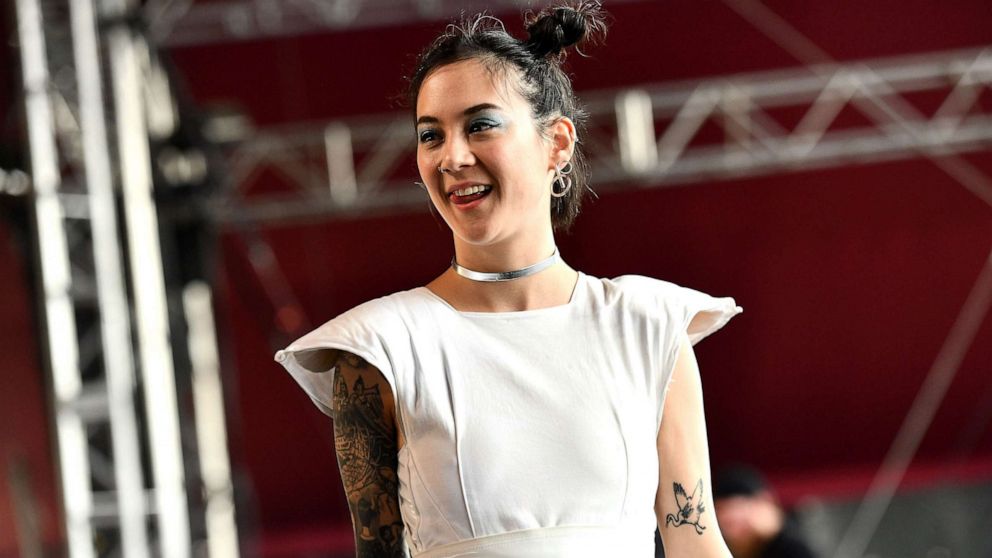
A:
552,286
508,275
505,256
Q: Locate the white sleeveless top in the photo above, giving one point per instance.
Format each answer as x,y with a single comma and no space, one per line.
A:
528,433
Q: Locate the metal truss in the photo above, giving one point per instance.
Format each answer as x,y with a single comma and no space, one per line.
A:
968,86
185,22
126,487
741,125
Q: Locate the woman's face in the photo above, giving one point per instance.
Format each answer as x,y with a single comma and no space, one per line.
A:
497,166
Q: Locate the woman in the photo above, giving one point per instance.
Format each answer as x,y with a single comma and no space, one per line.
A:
513,407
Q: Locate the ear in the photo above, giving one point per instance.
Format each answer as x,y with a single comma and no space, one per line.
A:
563,138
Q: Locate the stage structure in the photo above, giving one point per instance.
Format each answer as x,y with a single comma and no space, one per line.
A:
127,313
657,135
133,458
185,22
923,106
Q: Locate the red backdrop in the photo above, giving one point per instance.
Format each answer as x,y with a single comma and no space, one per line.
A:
850,278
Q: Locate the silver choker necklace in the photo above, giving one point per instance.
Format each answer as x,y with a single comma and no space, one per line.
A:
506,275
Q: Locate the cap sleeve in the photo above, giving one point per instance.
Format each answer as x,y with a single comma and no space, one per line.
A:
699,314
695,313
669,311
308,359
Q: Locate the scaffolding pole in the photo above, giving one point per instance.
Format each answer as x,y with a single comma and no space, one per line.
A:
55,278
148,281
131,483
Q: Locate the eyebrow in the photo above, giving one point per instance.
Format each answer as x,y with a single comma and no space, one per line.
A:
467,112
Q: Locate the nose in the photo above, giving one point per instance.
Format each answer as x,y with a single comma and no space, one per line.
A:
456,154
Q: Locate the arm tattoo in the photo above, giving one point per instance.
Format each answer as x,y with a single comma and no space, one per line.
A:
690,507
365,442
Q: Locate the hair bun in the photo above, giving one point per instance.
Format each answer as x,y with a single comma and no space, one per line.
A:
556,28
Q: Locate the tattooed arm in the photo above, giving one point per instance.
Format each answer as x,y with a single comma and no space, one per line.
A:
684,504
366,442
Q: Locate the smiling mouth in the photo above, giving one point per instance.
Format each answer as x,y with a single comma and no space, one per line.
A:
470,194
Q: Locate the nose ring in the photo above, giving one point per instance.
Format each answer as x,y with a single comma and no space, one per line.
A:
441,169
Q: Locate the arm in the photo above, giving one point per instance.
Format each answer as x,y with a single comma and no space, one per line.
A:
684,503
365,439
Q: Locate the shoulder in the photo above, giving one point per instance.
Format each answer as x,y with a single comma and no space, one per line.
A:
377,316
683,308
386,308
366,330
641,285
372,333
637,291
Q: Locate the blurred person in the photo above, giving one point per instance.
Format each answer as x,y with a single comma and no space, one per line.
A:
514,406
751,518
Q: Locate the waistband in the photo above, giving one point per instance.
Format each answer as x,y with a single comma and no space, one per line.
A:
552,542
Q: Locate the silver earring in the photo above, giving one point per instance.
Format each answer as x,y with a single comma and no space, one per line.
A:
562,180
421,184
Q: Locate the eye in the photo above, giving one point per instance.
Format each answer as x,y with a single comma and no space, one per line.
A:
481,125
427,136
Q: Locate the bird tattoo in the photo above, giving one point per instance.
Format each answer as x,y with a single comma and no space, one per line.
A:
691,507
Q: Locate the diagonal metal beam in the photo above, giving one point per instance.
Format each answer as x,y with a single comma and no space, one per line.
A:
796,43
182,23
919,417
959,339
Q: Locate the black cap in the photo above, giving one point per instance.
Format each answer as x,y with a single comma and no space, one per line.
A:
738,480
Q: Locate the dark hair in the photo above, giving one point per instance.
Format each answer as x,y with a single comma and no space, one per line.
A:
738,480
538,62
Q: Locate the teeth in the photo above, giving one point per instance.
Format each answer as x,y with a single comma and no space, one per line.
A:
472,190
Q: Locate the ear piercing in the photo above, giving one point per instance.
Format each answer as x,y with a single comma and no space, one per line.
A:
562,182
